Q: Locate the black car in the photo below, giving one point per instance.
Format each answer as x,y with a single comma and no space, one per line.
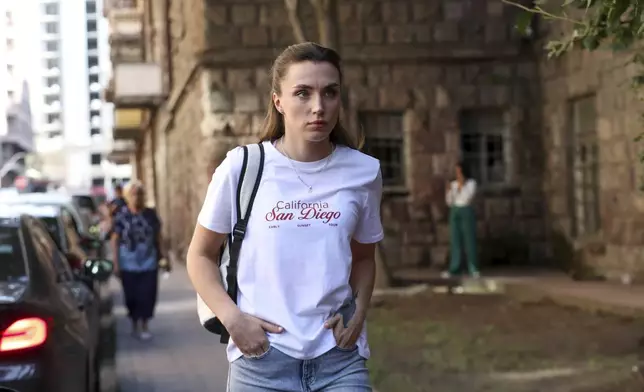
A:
46,341
76,247
80,216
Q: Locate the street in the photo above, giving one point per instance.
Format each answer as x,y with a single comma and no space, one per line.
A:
182,356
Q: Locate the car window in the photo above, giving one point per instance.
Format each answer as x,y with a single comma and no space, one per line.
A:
85,202
53,228
12,261
71,231
47,250
69,217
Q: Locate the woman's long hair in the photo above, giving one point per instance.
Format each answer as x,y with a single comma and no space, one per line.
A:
464,169
273,127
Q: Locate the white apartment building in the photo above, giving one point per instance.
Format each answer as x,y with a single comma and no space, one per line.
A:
16,137
68,66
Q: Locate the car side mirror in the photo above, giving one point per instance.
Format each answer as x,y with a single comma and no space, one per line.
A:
98,269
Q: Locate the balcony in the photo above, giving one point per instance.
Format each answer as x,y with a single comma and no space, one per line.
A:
126,23
110,5
122,151
129,124
136,85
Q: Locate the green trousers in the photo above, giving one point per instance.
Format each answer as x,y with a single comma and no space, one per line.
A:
462,229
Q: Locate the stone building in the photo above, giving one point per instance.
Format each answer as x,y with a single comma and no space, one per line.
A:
430,83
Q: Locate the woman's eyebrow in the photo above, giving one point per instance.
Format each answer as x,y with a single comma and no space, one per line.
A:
307,87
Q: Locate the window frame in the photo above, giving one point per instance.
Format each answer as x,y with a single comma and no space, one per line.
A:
43,244
371,123
475,122
584,167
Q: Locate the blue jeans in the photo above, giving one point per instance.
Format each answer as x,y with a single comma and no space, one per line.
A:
337,370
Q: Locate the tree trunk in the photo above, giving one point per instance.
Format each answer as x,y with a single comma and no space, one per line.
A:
327,36
324,10
383,280
294,19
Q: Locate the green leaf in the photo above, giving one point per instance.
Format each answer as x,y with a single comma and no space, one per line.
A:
591,42
524,22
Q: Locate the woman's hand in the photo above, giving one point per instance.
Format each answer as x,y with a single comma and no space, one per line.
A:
346,337
249,333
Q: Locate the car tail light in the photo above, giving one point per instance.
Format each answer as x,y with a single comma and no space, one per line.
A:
24,333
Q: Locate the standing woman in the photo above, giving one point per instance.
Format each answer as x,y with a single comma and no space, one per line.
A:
135,240
462,222
309,245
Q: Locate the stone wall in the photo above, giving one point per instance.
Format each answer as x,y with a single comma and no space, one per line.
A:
426,61
616,248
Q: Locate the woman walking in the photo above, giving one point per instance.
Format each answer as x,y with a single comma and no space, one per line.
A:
135,240
462,223
310,242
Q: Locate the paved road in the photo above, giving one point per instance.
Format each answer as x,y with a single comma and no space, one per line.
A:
182,356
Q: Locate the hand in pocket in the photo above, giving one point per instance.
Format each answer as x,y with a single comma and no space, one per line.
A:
345,337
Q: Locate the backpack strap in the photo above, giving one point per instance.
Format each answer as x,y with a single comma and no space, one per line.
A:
249,180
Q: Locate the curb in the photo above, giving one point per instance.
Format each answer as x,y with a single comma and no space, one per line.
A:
531,292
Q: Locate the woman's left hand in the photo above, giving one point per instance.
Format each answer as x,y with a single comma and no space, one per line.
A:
345,337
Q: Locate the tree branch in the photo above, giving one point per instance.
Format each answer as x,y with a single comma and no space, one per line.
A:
294,19
323,17
540,11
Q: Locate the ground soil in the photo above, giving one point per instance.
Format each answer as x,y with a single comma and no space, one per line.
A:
471,343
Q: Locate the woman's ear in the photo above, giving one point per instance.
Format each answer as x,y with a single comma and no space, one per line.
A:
278,103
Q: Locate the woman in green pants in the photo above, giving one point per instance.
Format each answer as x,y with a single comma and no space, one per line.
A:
462,223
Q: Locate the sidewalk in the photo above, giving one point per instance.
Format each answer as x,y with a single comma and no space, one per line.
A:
611,297
182,356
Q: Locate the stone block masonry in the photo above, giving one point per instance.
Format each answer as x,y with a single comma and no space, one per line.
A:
415,73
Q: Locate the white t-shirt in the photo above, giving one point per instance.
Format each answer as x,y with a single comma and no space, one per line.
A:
462,198
295,260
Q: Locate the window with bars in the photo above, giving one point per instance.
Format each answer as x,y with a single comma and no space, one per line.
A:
484,145
90,7
51,46
384,141
51,63
584,166
51,9
52,118
95,159
51,28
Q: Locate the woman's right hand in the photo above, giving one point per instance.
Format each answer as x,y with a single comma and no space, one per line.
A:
249,333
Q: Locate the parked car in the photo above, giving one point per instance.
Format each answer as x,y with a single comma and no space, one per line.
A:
60,224
86,204
81,221
47,340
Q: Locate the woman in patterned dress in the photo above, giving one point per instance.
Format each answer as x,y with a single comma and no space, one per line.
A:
135,245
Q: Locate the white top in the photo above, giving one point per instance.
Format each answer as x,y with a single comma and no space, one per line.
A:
295,260
462,198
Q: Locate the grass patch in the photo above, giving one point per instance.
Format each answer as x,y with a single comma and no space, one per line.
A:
441,342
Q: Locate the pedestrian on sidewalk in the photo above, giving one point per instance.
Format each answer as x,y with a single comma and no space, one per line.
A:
462,222
307,266
135,247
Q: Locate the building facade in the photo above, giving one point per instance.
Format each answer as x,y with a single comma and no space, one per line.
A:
65,45
429,83
16,133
